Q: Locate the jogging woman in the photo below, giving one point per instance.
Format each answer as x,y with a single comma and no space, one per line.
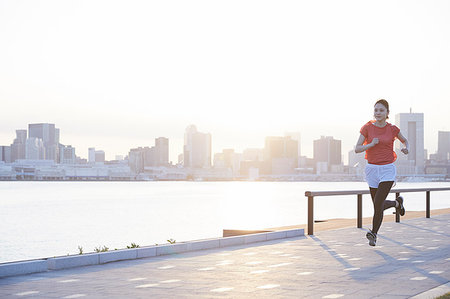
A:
377,140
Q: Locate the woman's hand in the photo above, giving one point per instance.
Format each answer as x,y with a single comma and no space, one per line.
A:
375,141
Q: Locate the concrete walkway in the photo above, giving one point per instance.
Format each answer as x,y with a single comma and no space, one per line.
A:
411,258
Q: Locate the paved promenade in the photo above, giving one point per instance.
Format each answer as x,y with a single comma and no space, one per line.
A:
411,258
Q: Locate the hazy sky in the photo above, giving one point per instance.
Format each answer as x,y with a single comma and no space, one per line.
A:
117,74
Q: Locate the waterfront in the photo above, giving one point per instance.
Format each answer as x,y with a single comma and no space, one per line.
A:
43,219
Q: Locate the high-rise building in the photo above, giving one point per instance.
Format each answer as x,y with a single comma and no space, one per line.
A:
162,151
444,145
281,153
253,154
67,154
99,156
50,137
296,136
327,151
197,148
136,160
5,153
91,155
412,127
18,147
34,149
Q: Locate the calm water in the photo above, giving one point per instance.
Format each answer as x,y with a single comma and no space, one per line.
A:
44,219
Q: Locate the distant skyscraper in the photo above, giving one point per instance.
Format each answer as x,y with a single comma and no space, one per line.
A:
99,156
34,149
197,148
18,147
5,154
162,151
49,136
327,149
253,154
412,127
91,155
296,136
282,154
136,160
444,145
67,154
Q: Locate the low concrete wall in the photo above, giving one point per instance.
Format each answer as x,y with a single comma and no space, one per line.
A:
71,261
65,262
26,267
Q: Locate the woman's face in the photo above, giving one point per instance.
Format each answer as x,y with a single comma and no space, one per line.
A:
380,112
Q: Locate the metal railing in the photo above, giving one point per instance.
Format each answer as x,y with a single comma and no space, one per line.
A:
359,193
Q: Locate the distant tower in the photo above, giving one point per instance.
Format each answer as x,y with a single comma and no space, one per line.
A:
34,149
412,127
18,147
197,148
50,137
91,155
444,145
99,156
281,154
327,149
162,151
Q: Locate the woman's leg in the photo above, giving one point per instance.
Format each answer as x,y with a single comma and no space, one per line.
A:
379,197
387,203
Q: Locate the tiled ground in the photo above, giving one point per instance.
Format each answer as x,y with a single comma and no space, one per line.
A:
411,257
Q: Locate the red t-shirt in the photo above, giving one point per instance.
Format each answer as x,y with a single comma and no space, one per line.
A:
382,153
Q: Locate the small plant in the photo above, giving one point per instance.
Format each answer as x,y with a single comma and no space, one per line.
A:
80,249
133,245
101,249
171,241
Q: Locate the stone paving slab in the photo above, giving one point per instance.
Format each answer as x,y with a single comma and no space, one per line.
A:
411,258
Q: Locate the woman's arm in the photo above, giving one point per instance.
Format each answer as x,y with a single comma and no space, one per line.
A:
403,140
359,148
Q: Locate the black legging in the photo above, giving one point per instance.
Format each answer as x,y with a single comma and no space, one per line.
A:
380,203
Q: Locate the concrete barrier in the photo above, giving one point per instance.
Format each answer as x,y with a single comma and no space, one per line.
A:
64,262
145,252
117,255
26,267
276,235
295,233
255,238
171,249
203,244
72,261
232,241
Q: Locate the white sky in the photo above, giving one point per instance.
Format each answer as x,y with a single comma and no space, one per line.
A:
117,74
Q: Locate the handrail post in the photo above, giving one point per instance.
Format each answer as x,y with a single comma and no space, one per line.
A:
310,215
359,223
397,215
428,204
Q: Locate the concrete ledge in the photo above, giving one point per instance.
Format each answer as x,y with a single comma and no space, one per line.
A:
255,238
295,233
171,249
117,255
202,245
276,235
145,252
231,241
58,263
65,262
26,267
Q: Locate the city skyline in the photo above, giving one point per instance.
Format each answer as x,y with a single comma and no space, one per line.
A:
26,136
238,71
